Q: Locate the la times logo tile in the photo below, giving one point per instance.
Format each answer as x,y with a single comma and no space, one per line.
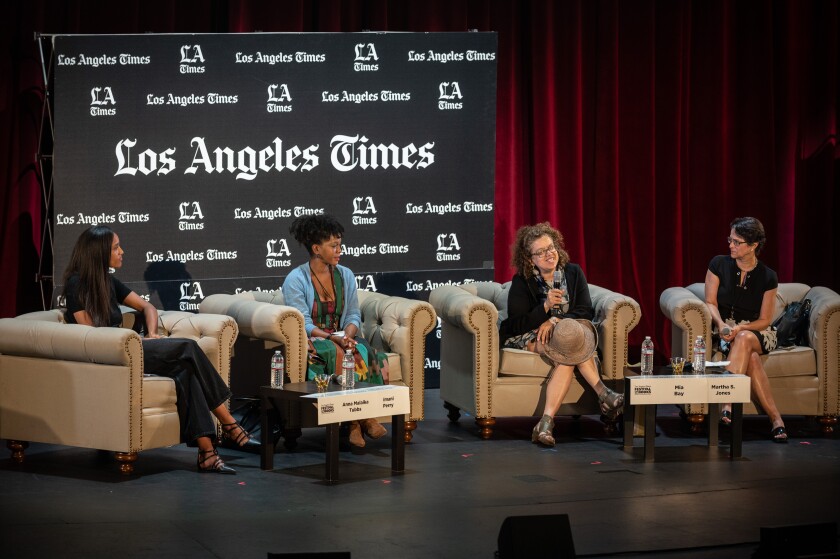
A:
450,96
190,217
192,59
102,101
279,99
364,211
365,57
277,253
448,247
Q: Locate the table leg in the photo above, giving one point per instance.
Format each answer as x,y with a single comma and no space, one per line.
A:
629,425
714,414
332,452
737,430
398,443
650,431
266,448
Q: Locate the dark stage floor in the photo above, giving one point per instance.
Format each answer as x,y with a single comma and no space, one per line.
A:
692,502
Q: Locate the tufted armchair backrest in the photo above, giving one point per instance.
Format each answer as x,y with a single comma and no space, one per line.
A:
786,294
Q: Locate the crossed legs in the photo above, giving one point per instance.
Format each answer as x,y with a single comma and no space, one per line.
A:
744,359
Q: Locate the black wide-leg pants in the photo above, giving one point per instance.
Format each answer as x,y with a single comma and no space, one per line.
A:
198,385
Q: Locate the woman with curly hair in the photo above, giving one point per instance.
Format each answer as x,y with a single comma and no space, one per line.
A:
325,293
557,323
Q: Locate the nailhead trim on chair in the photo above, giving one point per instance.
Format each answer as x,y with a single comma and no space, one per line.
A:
478,413
286,336
627,327
411,343
826,368
131,445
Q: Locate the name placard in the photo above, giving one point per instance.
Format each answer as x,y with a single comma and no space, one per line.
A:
361,403
687,389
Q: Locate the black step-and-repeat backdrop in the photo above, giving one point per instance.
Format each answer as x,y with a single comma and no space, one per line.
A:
200,150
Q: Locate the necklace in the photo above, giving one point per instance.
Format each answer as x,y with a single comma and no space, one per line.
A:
324,291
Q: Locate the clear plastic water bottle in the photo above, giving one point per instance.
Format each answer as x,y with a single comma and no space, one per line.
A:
647,356
348,370
698,363
278,369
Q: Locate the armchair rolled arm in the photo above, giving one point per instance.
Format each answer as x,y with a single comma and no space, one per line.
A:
399,325
616,315
71,342
690,318
265,321
824,337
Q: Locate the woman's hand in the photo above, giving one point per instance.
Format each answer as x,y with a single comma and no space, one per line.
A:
733,331
554,298
347,343
544,331
154,336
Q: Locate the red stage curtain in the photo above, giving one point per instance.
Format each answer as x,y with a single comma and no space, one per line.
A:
640,129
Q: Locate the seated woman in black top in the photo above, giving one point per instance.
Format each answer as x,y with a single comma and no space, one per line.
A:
741,296
535,310
93,297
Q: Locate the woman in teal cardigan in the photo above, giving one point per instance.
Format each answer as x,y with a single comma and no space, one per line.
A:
325,293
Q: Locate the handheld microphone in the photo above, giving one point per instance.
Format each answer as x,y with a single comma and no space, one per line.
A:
559,283
726,330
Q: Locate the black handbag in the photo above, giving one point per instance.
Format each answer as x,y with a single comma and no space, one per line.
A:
792,325
248,417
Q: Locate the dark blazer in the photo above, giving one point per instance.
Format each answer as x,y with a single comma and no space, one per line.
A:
526,313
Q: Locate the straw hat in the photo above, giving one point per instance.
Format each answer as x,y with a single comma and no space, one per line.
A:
572,341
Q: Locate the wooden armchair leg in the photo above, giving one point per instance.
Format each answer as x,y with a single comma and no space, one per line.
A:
828,422
696,420
126,460
486,425
17,448
409,427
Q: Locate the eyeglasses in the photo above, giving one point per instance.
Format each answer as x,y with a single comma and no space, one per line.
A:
736,242
543,252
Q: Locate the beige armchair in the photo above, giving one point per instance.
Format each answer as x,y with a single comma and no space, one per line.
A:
479,377
804,380
80,386
395,325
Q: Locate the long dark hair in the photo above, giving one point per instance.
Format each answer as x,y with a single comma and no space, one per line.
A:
315,229
90,259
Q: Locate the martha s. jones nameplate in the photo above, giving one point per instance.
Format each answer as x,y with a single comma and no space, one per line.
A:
688,389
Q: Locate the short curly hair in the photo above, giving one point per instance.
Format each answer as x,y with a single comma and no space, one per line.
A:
311,230
521,248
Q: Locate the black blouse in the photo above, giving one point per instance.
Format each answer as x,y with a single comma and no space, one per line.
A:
118,294
525,306
735,301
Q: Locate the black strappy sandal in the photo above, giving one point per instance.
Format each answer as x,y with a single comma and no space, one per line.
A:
779,435
241,438
726,417
217,466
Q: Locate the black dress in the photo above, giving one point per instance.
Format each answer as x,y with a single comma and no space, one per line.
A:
741,301
198,385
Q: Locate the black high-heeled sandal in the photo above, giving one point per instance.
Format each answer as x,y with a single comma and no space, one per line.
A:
241,438
726,418
611,402
216,467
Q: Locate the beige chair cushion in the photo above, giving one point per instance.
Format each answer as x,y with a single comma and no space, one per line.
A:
799,361
522,363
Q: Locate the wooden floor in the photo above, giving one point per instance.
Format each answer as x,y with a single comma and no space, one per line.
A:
692,502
